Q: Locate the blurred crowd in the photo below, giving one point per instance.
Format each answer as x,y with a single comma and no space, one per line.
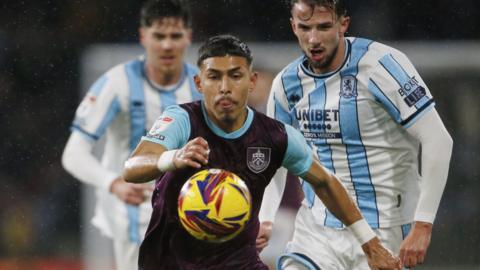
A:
40,46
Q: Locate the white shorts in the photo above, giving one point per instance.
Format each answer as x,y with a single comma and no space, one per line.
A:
316,247
126,255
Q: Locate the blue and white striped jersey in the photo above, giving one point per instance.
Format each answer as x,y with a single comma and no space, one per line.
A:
355,119
122,105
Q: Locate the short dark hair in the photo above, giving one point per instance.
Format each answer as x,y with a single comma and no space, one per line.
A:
338,6
153,10
223,45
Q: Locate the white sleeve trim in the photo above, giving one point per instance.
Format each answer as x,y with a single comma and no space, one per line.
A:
165,162
436,152
272,196
79,161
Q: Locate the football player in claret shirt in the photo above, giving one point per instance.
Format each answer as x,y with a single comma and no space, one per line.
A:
222,132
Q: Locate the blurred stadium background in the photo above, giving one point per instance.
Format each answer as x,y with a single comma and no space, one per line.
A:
50,52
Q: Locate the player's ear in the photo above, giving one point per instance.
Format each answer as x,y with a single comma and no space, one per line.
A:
141,35
292,24
253,81
189,35
198,84
344,23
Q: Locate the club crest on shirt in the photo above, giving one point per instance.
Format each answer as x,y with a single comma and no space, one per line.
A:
160,125
348,87
258,158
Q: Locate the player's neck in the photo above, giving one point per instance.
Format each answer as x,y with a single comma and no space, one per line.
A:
231,124
161,77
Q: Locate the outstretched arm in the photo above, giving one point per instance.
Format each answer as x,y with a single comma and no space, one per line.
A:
332,193
299,160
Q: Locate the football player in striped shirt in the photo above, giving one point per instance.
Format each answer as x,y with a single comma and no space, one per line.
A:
120,106
365,111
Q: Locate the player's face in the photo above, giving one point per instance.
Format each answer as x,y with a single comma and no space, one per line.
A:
225,83
165,42
320,33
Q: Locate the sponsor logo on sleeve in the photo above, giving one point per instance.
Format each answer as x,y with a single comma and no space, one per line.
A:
160,125
412,92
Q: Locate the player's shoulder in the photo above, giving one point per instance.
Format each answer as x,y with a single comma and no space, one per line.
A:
192,108
174,113
267,120
176,110
375,50
277,131
119,75
288,72
294,65
373,53
371,48
119,69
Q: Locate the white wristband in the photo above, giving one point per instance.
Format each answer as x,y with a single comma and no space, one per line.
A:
362,231
165,162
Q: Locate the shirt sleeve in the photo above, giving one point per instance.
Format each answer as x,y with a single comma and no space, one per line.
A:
171,129
272,196
277,106
398,87
298,157
97,110
78,159
431,133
